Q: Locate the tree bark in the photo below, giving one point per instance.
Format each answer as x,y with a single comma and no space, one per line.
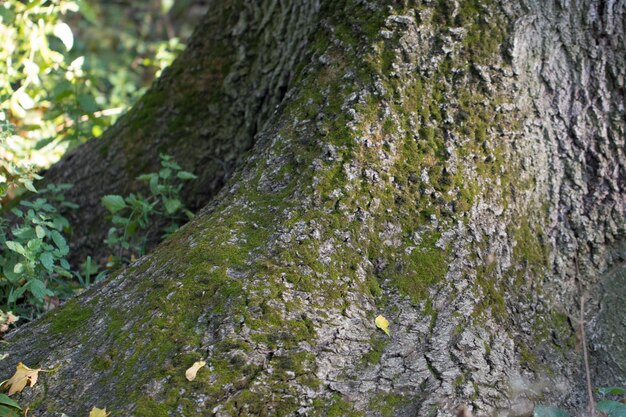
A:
457,167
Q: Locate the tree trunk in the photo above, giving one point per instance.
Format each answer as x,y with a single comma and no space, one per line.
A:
455,166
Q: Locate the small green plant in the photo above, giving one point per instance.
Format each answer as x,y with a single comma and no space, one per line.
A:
89,270
34,249
131,215
9,407
611,408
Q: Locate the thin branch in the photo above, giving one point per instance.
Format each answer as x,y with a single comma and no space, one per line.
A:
581,323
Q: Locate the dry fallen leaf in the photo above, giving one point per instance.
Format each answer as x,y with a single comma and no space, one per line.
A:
98,412
190,374
6,319
11,318
23,375
383,324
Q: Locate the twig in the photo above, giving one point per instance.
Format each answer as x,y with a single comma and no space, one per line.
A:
592,405
581,323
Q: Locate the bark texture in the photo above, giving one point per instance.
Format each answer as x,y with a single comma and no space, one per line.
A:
569,58
457,167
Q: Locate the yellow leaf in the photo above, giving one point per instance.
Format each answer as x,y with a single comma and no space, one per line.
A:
190,374
383,324
98,412
23,375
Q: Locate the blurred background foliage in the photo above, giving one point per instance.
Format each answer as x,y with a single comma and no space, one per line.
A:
70,68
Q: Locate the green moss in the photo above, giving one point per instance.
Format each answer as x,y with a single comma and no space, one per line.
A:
476,393
146,406
563,331
492,293
171,325
69,318
484,34
387,404
529,251
335,407
378,342
528,358
426,268
557,330
413,274
459,380
101,363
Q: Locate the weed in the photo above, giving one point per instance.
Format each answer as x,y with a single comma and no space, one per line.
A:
132,214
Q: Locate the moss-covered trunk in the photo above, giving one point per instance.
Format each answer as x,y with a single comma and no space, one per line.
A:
443,164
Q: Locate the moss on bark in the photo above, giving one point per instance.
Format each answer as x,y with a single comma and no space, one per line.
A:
390,181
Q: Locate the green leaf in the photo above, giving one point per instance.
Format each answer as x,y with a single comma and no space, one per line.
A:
34,245
87,12
18,268
64,263
87,103
64,33
184,175
62,272
61,90
543,411
171,205
72,206
60,223
15,294
612,408
28,184
24,233
123,221
10,275
17,212
113,203
8,412
59,240
38,289
154,184
165,173
6,14
15,247
40,232
611,391
47,260
5,400
34,4
146,177
48,207
170,164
